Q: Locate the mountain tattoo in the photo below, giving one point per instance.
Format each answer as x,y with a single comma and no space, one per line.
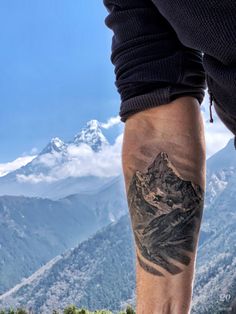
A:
166,212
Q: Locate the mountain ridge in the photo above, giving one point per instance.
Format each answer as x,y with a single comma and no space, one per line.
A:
59,167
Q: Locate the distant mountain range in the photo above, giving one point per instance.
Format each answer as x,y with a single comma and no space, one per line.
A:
99,272
53,173
34,230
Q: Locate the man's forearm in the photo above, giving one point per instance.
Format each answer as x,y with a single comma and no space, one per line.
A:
163,158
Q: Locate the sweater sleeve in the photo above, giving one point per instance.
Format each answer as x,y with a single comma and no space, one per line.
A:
210,27
152,67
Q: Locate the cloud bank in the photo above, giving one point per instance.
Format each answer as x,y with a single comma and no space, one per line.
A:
80,161
216,134
110,122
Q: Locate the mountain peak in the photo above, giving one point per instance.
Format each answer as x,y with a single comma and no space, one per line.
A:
56,144
93,124
91,135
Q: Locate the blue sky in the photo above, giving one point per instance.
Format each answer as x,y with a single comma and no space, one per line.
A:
55,71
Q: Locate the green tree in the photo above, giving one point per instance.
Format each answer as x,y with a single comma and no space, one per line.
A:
71,309
82,311
20,311
129,310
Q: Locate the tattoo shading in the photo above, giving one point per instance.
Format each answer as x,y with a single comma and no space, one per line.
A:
149,268
166,212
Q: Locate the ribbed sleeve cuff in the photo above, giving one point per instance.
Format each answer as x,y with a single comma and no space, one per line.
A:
157,97
145,101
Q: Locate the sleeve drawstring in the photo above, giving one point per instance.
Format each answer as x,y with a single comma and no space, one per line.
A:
211,102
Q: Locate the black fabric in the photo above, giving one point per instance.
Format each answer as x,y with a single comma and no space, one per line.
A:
163,49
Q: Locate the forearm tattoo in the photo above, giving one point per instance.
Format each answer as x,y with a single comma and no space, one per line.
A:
166,212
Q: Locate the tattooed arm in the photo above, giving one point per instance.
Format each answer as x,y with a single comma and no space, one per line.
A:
163,158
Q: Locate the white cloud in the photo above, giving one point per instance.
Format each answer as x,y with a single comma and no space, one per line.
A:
35,178
80,161
48,160
7,167
84,161
217,134
110,122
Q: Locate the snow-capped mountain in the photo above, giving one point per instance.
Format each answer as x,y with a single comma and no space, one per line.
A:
92,135
55,145
64,168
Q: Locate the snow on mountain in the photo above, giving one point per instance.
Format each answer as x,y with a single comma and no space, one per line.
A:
60,166
55,145
92,135
19,162
58,152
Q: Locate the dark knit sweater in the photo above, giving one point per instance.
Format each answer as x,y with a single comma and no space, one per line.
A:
163,49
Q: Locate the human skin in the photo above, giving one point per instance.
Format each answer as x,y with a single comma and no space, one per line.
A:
163,161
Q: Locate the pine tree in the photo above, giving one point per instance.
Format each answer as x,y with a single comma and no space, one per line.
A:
129,310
